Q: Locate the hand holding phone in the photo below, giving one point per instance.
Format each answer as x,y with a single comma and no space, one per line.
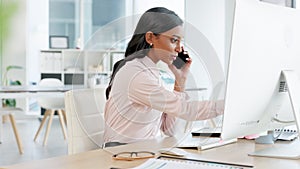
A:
181,59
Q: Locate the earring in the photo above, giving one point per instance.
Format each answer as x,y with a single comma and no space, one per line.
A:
151,45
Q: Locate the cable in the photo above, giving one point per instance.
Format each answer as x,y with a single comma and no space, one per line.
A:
275,138
282,121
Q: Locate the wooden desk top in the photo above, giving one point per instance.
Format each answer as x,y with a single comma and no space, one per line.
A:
102,158
35,91
36,88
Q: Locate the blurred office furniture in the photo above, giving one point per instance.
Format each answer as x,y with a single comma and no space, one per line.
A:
85,121
10,111
52,104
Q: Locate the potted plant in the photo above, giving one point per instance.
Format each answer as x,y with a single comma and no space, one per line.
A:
7,82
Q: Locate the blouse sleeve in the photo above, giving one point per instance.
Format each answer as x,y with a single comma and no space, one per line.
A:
168,123
145,89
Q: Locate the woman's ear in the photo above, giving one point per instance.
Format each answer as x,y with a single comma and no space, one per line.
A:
149,37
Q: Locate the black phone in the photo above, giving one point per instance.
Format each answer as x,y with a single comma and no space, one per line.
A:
181,59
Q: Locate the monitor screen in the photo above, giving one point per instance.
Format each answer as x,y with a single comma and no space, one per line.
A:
265,41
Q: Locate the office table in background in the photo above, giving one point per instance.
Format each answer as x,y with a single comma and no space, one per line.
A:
9,92
34,91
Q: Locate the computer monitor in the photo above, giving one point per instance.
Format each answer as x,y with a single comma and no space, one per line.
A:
264,55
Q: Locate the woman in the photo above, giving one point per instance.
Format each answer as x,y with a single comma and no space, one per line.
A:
138,105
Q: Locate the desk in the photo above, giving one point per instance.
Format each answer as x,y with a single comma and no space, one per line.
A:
34,91
232,153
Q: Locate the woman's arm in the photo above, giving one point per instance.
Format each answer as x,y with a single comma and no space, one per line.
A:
146,90
168,123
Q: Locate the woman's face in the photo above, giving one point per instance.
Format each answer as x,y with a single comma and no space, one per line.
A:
167,45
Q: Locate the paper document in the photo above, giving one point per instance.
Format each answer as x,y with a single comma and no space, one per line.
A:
180,164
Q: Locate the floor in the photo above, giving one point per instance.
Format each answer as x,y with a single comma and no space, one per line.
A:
9,153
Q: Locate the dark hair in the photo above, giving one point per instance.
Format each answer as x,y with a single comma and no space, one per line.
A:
156,20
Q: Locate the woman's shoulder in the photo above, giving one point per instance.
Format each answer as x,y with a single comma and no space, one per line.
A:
130,68
134,64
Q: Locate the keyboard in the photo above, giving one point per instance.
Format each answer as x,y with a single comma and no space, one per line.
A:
204,143
208,132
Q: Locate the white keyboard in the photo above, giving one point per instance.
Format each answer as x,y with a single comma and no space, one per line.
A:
203,143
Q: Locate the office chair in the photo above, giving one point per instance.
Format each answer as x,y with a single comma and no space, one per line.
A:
85,121
51,105
9,111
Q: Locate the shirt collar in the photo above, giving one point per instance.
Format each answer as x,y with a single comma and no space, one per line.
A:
150,64
146,60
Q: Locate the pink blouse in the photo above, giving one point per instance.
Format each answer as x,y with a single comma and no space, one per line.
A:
139,105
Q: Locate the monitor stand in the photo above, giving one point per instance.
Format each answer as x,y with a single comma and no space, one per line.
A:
292,150
286,151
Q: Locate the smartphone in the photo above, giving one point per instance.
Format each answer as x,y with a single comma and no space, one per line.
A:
181,59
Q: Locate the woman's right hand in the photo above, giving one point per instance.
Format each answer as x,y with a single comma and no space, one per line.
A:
180,75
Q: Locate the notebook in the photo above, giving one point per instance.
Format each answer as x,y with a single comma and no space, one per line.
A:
180,163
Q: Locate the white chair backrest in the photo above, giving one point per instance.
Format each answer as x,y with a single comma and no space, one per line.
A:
51,82
51,102
85,121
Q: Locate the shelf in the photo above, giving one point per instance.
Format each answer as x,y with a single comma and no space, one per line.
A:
78,66
74,79
51,72
51,50
72,72
51,75
100,73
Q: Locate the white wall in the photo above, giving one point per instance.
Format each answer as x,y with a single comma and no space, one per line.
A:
205,33
209,18
37,34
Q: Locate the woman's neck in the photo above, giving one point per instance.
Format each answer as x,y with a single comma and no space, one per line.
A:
152,56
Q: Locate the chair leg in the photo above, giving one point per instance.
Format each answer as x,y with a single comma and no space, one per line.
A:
65,116
47,112
13,123
5,118
48,126
62,122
